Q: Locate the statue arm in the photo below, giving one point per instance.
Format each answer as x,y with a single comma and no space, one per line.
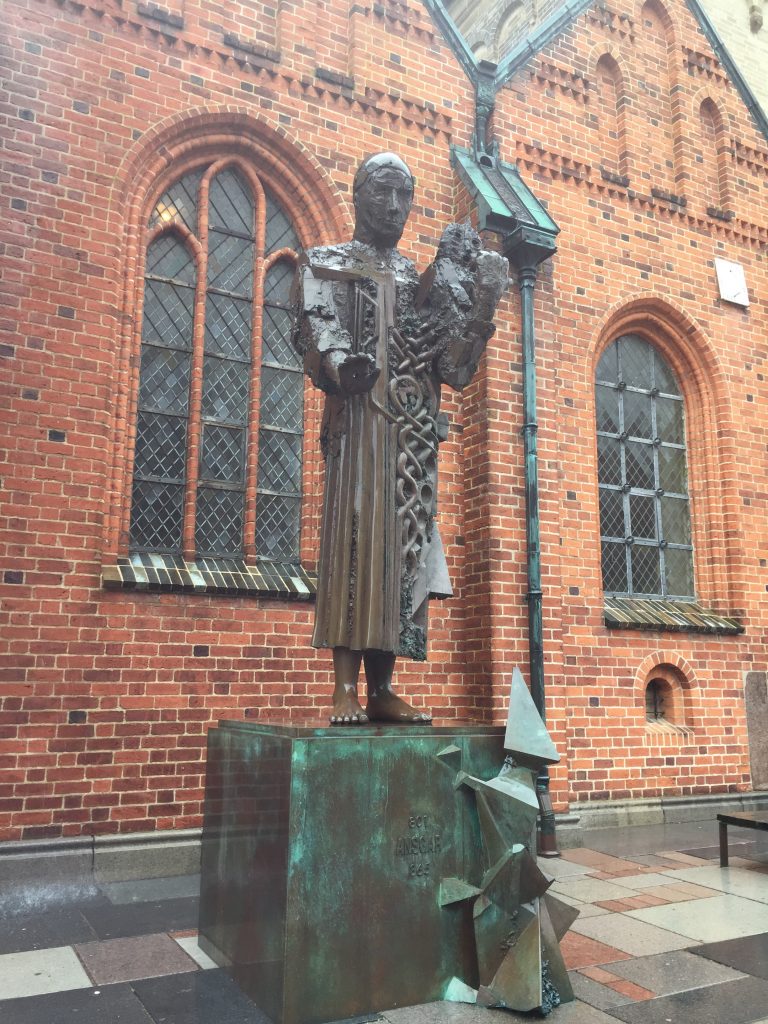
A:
318,335
465,343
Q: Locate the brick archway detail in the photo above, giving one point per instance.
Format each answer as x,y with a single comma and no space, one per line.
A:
166,152
711,449
688,678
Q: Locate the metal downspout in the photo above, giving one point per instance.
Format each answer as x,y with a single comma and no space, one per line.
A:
526,280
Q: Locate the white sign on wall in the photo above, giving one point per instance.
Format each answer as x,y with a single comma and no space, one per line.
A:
731,281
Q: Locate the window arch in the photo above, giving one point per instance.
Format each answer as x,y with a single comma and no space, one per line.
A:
645,523
218,455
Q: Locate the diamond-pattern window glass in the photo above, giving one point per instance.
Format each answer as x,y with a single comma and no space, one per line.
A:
169,259
161,446
663,377
225,332
645,563
608,367
179,202
277,285
669,420
225,390
645,465
607,400
156,516
168,313
637,414
280,462
612,513
672,471
223,454
164,380
276,344
230,204
614,559
678,570
609,460
219,522
639,465
282,398
228,326
280,233
635,362
675,520
230,264
642,516
277,527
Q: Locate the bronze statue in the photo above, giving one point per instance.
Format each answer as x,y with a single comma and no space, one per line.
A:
379,341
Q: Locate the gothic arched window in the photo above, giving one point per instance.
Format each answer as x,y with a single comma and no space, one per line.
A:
218,455
645,522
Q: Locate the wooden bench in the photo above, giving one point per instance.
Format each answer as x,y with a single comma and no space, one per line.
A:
740,819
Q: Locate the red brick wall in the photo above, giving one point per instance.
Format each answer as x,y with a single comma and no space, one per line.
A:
629,262
104,706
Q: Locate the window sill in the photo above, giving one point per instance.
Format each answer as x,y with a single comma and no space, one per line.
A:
666,616
664,729
159,573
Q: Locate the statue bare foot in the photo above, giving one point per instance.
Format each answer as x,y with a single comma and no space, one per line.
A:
347,709
386,706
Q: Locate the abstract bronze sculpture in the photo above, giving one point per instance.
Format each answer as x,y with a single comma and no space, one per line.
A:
380,341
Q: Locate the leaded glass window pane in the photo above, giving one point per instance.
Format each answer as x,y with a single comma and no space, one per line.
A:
226,366
281,420
280,233
161,429
644,509
219,521
607,400
222,416
615,567
179,202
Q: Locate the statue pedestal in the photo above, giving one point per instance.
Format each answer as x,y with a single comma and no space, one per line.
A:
323,853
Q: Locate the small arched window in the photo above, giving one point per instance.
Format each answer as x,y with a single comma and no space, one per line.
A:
216,362
645,523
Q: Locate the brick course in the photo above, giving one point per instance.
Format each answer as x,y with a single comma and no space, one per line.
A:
106,697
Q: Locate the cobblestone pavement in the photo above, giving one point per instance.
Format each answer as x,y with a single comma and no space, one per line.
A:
664,936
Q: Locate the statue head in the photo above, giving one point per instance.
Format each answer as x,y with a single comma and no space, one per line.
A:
383,193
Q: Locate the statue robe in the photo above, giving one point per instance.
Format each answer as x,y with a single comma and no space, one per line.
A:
380,551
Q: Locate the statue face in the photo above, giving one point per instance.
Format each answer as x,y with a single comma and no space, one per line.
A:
382,206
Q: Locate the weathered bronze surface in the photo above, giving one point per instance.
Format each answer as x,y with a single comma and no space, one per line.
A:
519,964
348,873
380,341
339,870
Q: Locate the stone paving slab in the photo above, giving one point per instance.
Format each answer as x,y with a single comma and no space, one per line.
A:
631,935
114,1004
676,971
204,997
61,926
737,881
590,890
142,956
749,954
39,971
461,1013
189,944
595,993
583,951
721,917
643,881
118,922
735,1002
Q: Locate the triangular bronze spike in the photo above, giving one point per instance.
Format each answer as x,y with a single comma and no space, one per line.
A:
526,738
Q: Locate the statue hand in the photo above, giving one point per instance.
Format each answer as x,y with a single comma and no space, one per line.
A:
357,374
